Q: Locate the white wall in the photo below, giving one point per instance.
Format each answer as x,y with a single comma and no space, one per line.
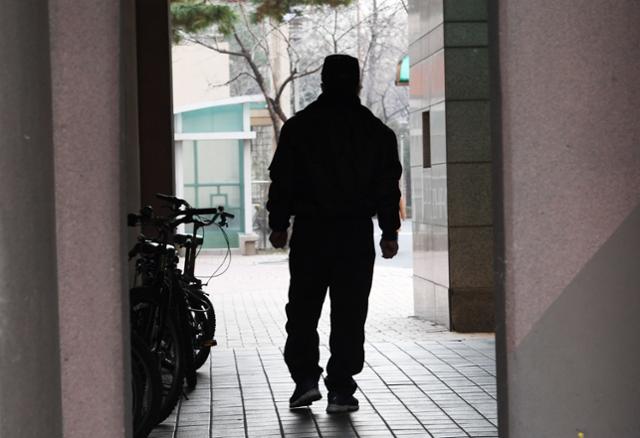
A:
197,72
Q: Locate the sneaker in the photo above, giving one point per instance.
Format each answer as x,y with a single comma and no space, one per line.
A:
342,403
304,395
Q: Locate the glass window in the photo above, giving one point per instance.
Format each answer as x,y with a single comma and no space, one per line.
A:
188,162
218,161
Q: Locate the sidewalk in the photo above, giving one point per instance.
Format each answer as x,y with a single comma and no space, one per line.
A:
419,380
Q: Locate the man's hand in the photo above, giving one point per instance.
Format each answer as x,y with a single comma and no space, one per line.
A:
389,248
278,239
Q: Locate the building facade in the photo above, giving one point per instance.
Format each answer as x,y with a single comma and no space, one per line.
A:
214,165
451,164
199,74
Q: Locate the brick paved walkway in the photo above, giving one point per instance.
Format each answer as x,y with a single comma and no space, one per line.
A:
419,380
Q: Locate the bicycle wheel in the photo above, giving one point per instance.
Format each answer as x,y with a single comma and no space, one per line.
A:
165,341
186,330
204,329
146,387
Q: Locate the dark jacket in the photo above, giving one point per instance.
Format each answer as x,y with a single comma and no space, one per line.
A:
335,160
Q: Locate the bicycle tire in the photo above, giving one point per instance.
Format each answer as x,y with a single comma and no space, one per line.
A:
183,316
205,330
170,349
146,387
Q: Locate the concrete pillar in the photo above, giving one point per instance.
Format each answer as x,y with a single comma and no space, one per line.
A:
130,109
154,100
568,167
29,354
88,77
450,164
130,120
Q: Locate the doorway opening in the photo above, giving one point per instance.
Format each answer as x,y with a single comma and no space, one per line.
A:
240,70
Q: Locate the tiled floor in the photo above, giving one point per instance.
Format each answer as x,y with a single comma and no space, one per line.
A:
418,380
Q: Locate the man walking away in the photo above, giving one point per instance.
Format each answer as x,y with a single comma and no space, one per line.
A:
336,166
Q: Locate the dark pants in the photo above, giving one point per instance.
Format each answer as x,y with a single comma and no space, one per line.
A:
338,256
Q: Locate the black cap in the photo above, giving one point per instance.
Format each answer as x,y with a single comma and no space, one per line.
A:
341,72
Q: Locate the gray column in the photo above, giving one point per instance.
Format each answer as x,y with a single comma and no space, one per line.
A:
29,355
569,231
451,164
90,172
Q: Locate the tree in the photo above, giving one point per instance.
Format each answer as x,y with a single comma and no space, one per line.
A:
306,30
256,30
374,31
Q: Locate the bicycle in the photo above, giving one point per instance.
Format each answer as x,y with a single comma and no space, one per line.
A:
146,387
169,310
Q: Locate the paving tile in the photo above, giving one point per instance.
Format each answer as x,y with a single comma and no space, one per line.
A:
418,381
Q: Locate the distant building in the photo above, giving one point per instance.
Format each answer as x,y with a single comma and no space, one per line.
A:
199,74
213,157
223,144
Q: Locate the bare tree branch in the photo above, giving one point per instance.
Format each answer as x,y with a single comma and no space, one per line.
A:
214,47
232,80
275,113
293,76
259,41
319,30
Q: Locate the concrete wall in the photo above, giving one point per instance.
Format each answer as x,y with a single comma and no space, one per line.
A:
64,130
88,122
570,241
29,341
428,185
451,187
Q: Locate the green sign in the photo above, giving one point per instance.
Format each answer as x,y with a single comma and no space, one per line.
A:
403,71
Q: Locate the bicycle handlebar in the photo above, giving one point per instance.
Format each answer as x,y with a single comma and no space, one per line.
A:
217,213
179,216
201,211
177,202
